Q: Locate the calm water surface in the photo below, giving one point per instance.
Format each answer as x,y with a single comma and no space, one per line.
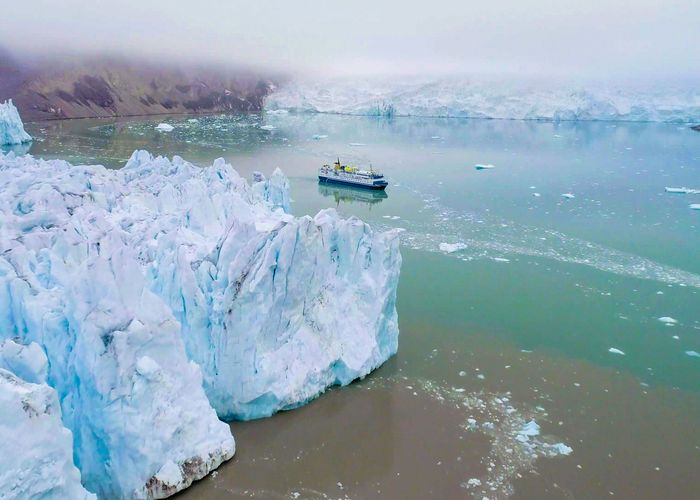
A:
513,326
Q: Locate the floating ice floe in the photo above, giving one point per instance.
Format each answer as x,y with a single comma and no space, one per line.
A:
357,144
452,247
165,127
162,289
695,206
267,127
484,166
568,196
536,195
36,450
473,483
318,137
693,354
682,190
667,320
614,350
11,126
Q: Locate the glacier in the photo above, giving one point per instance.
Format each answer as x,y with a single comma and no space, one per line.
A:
11,126
37,450
494,99
167,296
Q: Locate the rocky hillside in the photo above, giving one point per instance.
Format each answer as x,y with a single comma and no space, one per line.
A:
91,87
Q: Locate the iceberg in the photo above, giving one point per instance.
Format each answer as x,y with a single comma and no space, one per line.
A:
488,98
37,450
164,294
11,126
682,190
667,320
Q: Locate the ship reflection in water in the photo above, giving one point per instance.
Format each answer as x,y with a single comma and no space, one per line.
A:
351,195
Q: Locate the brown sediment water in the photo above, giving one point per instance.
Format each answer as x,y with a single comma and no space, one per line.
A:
398,436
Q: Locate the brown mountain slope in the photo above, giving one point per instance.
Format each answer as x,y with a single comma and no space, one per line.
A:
92,87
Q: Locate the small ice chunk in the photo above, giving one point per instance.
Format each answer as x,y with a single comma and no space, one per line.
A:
530,429
568,196
473,483
357,144
501,259
267,127
484,166
668,320
536,195
452,247
616,351
165,127
682,190
694,206
693,354
561,449
318,137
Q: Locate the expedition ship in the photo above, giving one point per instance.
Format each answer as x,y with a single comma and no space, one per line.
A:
351,176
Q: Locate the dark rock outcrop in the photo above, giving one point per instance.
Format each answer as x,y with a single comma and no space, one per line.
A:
103,87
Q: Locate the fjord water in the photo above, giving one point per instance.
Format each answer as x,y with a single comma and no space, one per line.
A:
522,305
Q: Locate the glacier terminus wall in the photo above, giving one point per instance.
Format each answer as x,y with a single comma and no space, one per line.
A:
166,297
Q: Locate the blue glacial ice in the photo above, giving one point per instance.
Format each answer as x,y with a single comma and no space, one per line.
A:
499,99
37,450
11,126
273,308
161,290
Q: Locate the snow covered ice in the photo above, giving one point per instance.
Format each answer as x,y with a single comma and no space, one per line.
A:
147,284
37,450
469,98
11,126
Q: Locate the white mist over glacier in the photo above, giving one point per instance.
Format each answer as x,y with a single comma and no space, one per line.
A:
164,293
11,126
494,99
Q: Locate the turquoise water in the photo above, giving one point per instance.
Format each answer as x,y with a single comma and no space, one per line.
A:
541,277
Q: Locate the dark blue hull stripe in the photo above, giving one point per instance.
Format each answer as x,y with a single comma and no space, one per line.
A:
350,183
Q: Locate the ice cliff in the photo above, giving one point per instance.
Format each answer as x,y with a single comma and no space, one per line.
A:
162,289
488,99
11,126
37,450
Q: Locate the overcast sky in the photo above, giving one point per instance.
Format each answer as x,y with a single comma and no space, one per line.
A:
576,38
